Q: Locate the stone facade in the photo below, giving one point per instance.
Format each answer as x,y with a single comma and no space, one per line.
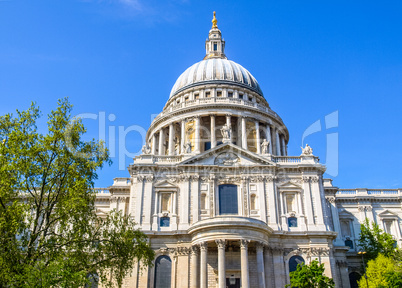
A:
222,202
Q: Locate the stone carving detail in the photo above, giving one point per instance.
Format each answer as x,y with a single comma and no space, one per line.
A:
221,243
330,199
307,150
341,263
195,250
363,208
226,131
264,146
146,149
227,159
305,179
182,251
315,179
149,178
187,147
203,246
270,178
244,243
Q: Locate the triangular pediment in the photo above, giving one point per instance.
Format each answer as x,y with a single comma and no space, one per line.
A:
228,155
165,184
388,214
345,214
289,185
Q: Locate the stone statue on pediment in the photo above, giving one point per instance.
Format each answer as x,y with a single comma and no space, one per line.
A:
307,150
187,147
146,149
226,130
264,146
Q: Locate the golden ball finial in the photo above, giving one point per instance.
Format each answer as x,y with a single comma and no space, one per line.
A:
214,21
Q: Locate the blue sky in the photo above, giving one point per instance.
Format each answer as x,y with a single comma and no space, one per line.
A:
311,58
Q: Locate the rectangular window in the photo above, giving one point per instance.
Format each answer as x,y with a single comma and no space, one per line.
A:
228,199
218,93
230,94
186,98
240,96
207,94
196,96
250,98
215,46
207,146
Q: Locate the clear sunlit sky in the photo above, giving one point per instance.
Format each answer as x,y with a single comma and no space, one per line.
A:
120,58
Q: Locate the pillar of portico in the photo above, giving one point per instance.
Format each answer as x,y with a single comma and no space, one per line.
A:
260,264
229,124
213,134
153,144
161,140
183,136
203,264
245,279
257,138
171,139
221,263
268,133
197,134
278,143
194,267
243,133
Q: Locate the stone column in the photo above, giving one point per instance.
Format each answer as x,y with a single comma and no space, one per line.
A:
316,193
308,203
335,220
278,143
260,264
257,131
283,146
243,133
197,134
153,144
194,267
221,263
272,202
245,281
161,140
171,139
213,135
268,132
183,136
203,264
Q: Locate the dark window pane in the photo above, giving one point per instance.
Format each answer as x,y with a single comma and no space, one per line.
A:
207,146
349,243
164,222
228,199
292,222
163,272
294,261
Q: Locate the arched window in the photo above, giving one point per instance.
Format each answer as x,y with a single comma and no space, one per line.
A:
163,272
253,199
354,277
294,261
349,243
228,199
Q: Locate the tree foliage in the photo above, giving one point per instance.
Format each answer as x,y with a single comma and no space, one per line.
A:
50,233
310,276
373,240
382,272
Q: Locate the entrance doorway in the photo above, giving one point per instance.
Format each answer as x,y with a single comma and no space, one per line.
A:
233,282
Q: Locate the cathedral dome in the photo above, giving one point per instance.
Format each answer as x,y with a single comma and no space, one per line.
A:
216,71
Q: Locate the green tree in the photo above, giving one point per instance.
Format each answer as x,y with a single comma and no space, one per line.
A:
382,272
50,233
373,240
310,276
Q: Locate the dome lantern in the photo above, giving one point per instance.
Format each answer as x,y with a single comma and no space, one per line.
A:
215,45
